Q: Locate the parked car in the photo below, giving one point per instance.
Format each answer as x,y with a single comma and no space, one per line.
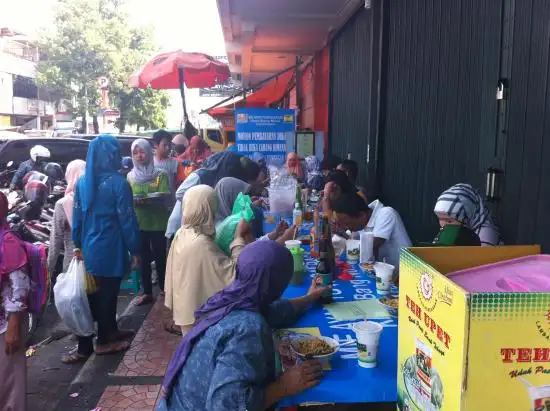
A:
124,140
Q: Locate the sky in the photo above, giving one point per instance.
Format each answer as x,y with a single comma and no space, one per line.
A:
190,25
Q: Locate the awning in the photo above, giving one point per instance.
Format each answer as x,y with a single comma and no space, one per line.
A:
272,92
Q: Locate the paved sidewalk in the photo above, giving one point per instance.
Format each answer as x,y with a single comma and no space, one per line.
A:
140,372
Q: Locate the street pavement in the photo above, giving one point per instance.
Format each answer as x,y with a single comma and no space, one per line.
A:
52,385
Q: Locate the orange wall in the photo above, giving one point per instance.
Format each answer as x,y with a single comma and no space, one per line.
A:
315,94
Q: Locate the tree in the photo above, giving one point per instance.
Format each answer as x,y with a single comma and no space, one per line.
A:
92,39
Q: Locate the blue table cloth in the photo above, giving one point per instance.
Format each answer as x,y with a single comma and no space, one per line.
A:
347,382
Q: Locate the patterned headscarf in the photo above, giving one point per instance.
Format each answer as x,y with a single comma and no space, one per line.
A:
464,204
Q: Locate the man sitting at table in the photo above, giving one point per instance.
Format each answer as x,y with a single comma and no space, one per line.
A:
350,212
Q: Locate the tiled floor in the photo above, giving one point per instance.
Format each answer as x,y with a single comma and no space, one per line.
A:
151,348
148,356
129,398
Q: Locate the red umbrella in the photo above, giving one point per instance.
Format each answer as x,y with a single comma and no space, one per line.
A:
171,70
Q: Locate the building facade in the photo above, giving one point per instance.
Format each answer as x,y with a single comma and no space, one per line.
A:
22,103
422,94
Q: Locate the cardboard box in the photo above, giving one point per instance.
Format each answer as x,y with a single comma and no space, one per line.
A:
469,351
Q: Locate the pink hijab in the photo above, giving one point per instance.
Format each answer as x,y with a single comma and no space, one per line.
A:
198,150
294,166
74,171
12,254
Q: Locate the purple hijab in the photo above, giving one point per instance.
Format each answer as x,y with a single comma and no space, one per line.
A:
264,269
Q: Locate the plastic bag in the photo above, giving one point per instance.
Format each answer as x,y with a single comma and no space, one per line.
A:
71,300
225,231
282,192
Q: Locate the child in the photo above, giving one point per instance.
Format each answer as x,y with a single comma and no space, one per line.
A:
163,161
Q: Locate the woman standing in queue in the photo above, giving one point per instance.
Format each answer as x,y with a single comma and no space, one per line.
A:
14,290
61,236
105,234
197,267
152,214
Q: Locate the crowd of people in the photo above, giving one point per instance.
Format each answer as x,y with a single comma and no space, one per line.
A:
121,214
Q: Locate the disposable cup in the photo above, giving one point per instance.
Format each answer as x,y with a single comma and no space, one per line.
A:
368,337
353,248
384,277
290,244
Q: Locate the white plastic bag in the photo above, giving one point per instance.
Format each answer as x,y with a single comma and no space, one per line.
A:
71,299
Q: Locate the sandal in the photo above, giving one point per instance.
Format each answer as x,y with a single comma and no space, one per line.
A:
144,299
112,348
74,358
173,329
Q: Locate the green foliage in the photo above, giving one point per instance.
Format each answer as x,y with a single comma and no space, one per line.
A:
91,39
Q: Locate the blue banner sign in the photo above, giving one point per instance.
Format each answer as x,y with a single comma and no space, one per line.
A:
266,131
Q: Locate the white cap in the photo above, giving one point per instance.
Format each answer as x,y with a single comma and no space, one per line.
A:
39,151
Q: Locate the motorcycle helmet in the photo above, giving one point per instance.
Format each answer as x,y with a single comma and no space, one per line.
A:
39,153
37,187
54,171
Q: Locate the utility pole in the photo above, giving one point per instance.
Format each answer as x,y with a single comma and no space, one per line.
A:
38,118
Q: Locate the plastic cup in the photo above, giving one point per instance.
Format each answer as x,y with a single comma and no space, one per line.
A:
290,244
368,337
353,248
384,277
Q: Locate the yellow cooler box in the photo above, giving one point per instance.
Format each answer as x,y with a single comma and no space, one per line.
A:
473,334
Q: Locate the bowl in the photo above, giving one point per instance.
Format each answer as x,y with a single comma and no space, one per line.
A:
323,359
393,311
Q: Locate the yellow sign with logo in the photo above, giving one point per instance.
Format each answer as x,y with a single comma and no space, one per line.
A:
469,351
5,120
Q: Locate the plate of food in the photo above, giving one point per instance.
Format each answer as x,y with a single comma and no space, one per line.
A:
391,304
321,349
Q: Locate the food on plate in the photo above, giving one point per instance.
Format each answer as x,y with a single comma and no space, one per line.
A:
392,302
312,347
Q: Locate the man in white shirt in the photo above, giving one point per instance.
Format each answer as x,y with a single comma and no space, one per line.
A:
390,236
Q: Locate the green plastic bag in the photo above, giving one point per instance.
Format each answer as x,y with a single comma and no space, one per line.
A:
225,231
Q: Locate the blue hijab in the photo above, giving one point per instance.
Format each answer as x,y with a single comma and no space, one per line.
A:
103,160
264,269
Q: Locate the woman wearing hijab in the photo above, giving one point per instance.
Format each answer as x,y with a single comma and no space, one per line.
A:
197,152
151,189
216,167
197,268
228,189
463,205
192,158
105,234
294,167
14,290
60,236
227,360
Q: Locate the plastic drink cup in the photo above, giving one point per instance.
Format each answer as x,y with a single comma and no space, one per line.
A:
290,244
353,248
367,243
368,337
384,277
